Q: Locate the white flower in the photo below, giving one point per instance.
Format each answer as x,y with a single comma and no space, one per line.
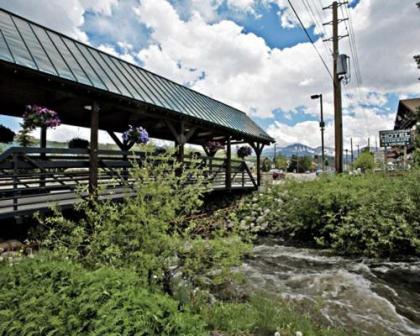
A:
299,333
277,333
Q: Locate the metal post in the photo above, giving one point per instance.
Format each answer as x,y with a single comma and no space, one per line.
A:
346,159
322,125
93,152
351,148
274,158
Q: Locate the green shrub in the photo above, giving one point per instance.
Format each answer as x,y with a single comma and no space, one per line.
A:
50,297
365,161
263,316
149,232
373,215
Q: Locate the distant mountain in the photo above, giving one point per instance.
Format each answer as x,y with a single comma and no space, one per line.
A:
298,149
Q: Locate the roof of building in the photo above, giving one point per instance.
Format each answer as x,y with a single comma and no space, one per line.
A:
406,113
30,45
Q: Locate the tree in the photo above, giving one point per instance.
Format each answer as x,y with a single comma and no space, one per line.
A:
280,162
299,164
266,165
24,138
365,161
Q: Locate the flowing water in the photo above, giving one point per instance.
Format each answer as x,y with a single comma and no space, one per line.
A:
373,297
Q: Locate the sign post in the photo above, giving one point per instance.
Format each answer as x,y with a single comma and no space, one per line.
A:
395,138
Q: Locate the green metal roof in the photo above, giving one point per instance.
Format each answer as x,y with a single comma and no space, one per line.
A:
30,45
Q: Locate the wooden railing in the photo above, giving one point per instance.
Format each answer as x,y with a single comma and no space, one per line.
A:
33,178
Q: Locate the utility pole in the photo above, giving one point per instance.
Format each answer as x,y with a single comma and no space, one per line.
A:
358,150
338,115
368,144
351,149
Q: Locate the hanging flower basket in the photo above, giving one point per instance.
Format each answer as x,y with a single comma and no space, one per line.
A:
136,135
78,143
244,151
6,134
213,146
38,116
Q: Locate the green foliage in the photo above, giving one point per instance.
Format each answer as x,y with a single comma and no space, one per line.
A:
24,138
365,161
299,164
280,162
149,232
50,297
263,315
266,165
372,215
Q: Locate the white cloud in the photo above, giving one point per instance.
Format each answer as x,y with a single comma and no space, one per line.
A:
363,124
64,16
126,55
242,70
101,7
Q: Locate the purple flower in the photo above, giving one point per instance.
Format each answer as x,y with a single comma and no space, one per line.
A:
244,151
37,116
136,135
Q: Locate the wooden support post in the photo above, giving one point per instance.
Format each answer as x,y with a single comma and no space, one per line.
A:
258,167
181,137
180,152
15,182
93,153
258,148
228,181
43,145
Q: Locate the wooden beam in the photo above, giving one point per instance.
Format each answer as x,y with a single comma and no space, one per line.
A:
116,140
173,131
93,152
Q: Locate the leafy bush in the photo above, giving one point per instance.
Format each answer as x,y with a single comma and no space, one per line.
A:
365,161
373,215
50,297
148,232
78,143
263,315
6,134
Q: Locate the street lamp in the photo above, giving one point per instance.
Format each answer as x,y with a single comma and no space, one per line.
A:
322,126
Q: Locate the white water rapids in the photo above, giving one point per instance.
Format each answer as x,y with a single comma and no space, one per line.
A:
372,297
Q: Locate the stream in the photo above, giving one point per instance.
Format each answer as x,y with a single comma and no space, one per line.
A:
370,296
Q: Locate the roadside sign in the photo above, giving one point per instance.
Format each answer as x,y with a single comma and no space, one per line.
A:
395,138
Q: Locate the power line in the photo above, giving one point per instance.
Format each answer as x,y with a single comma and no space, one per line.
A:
353,41
317,19
310,39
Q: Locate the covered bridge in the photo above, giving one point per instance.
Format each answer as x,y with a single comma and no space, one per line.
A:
90,88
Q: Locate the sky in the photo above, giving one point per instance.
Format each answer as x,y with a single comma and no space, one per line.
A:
253,55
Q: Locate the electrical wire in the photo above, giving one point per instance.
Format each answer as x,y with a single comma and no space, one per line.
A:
310,39
317,20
